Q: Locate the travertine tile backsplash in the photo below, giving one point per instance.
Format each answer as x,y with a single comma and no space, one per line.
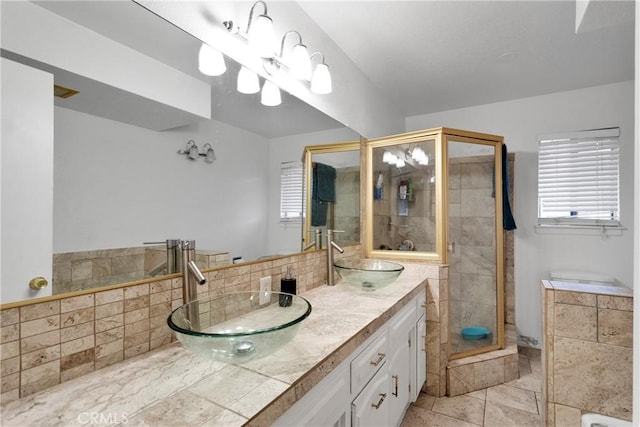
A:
54,340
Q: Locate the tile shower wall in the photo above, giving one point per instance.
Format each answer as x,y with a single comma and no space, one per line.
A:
472,265
45,343
347,206
587,354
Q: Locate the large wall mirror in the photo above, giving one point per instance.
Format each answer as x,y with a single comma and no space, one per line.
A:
118,178
332,194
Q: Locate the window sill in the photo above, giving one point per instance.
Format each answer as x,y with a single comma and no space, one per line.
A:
583,230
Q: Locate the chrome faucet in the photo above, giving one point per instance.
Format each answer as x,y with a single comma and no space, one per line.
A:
317,243
172,264
191,275
331,245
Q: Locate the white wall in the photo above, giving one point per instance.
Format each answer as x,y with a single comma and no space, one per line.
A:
286,238
520,122
118,185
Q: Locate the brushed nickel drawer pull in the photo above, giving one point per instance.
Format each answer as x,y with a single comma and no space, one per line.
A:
395,377
380,357
382,397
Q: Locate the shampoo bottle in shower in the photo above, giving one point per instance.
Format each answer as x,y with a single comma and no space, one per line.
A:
287,286
377,193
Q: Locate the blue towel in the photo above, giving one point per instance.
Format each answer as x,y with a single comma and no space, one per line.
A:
508,223
323,190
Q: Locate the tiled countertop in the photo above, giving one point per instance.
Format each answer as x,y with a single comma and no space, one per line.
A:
171,386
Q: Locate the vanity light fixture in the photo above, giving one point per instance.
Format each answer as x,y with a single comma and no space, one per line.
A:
210,61
192,152
297,63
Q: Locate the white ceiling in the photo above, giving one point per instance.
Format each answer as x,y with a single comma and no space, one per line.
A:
430,56
425,56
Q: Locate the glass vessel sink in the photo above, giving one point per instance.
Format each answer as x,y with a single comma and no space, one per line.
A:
241,326
368,274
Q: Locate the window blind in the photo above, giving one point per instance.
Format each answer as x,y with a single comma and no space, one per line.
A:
578,178
291,187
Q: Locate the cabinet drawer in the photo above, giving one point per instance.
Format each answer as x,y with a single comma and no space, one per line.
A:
366,364
371,407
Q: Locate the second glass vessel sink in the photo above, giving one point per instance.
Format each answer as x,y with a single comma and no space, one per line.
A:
369,274
240,326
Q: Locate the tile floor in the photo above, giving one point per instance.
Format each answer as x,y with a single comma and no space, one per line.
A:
516,403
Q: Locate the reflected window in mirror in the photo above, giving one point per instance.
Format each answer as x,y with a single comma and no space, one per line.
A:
291,190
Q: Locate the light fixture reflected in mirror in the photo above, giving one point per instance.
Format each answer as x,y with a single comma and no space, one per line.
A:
248,81
270,94
210,61
192,152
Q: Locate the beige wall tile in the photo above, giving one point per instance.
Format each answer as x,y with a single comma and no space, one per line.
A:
46,370
74,360
38,326
576,321
592,376
77,371
9,396
110,335
575,298
9,333
77,331
78,345
40,357
160,297
615,327
9,316
108,348
136,303
10,366
38,311
109,309
109,322
9,382
77,317
39,341
136,315
81,270
109,359
160,286
109,296
615,303
136,350
460,380
76,303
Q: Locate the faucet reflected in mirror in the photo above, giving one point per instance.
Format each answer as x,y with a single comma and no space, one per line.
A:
331,245
315,243
191,276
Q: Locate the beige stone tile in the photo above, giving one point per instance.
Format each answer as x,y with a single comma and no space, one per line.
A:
134,339
32,375
38,311
76,303
417,416
81,270
9,396
160,286
110,335
136,303
224,419
9,382
9,333
488,373
136,350
615,303
615,327
38,326
9,316
108,348
80,358
107,297
77,371
109,323
498,415
76,317
136,315
575,321
159,341
160,297
184,408
10,366
77,331
40,357
513,397
42,383
527,382
594,377
460,407
163,309
461,380
109,309
424,401
109,359
567,416
510,371
575,298
77,345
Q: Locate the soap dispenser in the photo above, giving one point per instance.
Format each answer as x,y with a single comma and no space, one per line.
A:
287,286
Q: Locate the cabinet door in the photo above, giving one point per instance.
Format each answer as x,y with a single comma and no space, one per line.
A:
371,407
421,356
399,381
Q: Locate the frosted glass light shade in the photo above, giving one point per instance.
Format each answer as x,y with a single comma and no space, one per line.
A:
300,65
210,61
248,81
321,80
270,94
262,38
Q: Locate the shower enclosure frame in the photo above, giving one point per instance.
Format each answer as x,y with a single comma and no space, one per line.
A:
441,137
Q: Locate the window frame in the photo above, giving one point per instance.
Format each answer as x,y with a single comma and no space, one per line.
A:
291,192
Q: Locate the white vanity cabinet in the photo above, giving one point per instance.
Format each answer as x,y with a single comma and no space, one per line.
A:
376,383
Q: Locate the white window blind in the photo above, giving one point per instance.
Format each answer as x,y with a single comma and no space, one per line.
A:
291,187
578,178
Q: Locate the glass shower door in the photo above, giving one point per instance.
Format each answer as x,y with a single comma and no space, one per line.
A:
476,309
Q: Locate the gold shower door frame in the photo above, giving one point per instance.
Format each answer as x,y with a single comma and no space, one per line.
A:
441,136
